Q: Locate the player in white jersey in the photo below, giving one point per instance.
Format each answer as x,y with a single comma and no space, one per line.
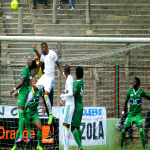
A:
69,106
49,57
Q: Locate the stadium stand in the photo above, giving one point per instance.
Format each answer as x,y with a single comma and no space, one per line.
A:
128,18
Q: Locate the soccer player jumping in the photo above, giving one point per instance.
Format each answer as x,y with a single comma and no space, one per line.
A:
32,113
49,57
22,97
135,96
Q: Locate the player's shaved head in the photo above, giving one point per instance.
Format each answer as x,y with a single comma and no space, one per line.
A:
29,62
137,81
67,69
79,72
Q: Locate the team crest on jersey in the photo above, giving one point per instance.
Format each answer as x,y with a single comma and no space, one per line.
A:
131,94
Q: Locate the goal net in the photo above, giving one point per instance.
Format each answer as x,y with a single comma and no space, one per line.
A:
109,70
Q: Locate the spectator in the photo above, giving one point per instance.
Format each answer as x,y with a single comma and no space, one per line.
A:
34,4
70,4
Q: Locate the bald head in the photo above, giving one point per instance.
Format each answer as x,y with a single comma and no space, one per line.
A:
67,70
29,62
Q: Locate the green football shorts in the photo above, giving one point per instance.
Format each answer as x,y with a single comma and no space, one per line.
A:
77,117
22,97
33,115
133,119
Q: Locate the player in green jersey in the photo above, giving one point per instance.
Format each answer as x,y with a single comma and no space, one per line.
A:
32,113
22,97
77,116
135,96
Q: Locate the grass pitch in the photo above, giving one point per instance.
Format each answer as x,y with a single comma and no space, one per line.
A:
89,148
104,148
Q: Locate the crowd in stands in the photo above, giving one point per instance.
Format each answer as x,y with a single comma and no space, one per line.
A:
45,2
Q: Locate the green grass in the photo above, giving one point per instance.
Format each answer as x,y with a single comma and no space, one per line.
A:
103,148
93,148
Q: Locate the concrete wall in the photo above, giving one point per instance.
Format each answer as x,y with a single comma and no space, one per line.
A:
111,134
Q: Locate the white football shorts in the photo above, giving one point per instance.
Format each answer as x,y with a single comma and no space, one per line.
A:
46,82
68,114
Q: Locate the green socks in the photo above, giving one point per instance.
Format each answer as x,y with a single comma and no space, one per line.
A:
39,137
21,121
141,135
123,133
77,138
80,135
142,138
17,136
27,122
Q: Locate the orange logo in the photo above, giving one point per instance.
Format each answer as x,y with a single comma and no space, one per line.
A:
45,132
12,134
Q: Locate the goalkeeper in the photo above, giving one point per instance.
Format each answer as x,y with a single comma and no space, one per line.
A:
32,113
135,96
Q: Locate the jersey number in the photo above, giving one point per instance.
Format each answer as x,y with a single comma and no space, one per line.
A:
81,92
134,101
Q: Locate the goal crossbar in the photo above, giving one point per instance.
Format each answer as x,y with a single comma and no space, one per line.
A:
75,39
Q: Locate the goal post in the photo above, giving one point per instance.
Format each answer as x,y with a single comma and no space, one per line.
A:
75,39
110,66
91,60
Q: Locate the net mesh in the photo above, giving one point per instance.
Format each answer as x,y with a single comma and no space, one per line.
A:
99,63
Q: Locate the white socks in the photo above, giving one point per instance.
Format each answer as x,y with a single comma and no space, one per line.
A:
66,136
48,103
30,97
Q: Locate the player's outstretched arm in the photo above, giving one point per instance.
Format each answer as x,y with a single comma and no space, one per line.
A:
36,51
37,69
19,85
38,54
59,66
